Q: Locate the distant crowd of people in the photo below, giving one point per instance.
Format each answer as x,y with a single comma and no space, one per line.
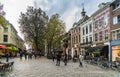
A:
55,55
28,54
58,56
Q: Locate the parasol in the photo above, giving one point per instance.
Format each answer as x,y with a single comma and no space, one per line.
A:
13,48
3,47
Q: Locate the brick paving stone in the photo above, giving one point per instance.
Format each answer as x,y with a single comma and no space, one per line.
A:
43,67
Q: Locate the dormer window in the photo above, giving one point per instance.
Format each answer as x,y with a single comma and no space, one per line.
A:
6,29
118,5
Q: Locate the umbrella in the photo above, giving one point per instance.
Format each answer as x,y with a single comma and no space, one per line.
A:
12,48
3,47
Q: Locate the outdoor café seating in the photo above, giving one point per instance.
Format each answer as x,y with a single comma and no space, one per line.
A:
7,66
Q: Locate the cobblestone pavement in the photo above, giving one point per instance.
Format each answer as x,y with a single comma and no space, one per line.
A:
43,67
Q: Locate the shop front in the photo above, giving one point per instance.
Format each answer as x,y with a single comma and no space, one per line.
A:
115,50
102,51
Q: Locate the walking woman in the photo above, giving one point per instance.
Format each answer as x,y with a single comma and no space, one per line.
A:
80,58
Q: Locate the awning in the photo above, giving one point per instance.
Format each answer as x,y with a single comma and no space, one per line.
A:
3,47
100,48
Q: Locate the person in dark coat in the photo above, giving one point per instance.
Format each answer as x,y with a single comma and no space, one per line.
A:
7,56
21,53
65,59
53,56
25,54
58,59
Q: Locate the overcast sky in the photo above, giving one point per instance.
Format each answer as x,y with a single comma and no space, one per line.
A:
69,10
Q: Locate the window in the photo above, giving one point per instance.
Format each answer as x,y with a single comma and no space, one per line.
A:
83,31
83,39
100,36
96,25
86,39
76,39
90,27
5,29
118,34
79,38
118,5
116,19
79,29
96,36
113,35
5,38
86,29
100,22
105,20
72,40
90,38
106,34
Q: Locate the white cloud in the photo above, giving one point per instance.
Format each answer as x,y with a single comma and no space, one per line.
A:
68,10
13,8
71,16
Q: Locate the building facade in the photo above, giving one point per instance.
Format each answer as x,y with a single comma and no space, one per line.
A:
66,44
101,29
75,40
76,34
115,30
8,36
86,34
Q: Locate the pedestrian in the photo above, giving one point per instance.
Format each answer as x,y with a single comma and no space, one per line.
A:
7,56
21,54
34,53
65,59
58,59
80,58
25,54
53,56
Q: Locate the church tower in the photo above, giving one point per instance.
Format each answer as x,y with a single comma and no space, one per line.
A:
83,11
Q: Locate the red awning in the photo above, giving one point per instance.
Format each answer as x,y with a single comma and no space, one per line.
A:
3,47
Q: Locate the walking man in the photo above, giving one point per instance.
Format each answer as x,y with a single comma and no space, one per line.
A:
65,59
53,56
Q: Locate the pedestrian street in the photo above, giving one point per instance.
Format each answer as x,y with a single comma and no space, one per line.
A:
43,67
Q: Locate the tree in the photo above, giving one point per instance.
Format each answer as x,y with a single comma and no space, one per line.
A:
3,21
33,25
54,32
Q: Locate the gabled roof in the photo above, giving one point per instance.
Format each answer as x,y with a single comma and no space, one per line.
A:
106,5
76,24
82,20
